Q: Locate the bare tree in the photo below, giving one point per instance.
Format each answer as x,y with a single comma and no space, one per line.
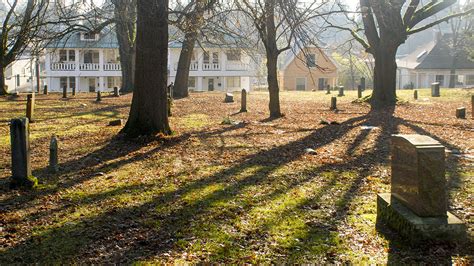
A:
149,110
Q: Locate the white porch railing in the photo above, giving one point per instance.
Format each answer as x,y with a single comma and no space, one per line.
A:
209,66
238,66
63,66
192,67
89,67
112,67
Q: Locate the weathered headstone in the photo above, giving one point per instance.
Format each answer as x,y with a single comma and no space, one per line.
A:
341,91
53,154
435,89
417,204
99,96
472,106
328,89
20,149
64,92
30,106
229,98
117,122
415,94
74,91
170,104
45,90
116,92
333,103
243,101
359,91
362,83
461,113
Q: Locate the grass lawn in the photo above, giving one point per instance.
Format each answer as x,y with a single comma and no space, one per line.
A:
240,193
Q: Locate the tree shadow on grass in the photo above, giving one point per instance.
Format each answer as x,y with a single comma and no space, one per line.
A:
169,222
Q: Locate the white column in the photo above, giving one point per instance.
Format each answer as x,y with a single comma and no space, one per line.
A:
101,84
78,58
200,56
223,61
101,59
199,84
224,83
417,80
47,62
78,83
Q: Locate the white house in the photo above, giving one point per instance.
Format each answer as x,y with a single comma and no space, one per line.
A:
86,61
213,68
433,62
19,75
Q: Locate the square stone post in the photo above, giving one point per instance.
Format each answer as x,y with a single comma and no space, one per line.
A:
359,91
243,101
30,106
362,83
328,89
333,103
20,151
435,89
53,154
341,91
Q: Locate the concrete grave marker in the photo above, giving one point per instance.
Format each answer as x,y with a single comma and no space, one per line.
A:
45,90
415,94
341,91
243,101
328,89
229,98
435,89
116,92
333,103
30,106
64,92
53,154
472,106
99,96
362,83
359,91
74,91
461,113
20,151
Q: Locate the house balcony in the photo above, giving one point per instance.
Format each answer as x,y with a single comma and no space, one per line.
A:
211,66
194,66
112,67
89,67
63,66
237,66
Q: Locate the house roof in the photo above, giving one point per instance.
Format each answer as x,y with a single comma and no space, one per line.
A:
436,55
107,39
291,55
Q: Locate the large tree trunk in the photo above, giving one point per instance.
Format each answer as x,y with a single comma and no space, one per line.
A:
385,77
273,87
2,81
180,89
149,110
452,76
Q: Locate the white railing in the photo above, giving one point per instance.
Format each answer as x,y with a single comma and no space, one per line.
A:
213,66
236,66
63,66
89,67
192,67
112,67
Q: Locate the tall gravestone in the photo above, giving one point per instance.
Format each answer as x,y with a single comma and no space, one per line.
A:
53,154
99,96
116,92
341,91
415,94
243,101
333,103
435,89
20,151
45,90
30,106
359,91
74,91
461,112
417,204
472,106
328,89
64,92
362,83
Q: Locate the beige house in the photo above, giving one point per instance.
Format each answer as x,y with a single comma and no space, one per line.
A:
310,69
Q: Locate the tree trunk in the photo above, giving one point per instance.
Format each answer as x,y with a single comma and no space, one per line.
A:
273,87
149,110
127,64
385,78
180,89
452,76
124,12
2,81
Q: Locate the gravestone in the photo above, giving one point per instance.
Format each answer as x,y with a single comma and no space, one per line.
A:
461,113
117,122
53,154
74,91
415,94
229,98
243,101
116,92
359,91
170,104
45,90
341,91
64,92
99,96
417,204
30,106
328,89
362,83
472,106
20,150
333,103
435,89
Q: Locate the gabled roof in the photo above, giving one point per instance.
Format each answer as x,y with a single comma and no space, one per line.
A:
107,39
291,55
436,55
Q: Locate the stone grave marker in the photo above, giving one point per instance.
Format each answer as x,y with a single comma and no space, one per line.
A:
243,101
362,83
45,90
461,113
53,154
64,92
20,151
415,94
328,89
74,91
116,92
341,91
435,89
229,98
99,96
359,91
472,106
333,103
417,204
30,106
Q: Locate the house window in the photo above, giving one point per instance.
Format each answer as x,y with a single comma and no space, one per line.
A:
311,60
192,82
89,36
233,55
91,57
440,79
63,82
110,82
62,55
72,55
215,58
206,58
72,82
469,79
300,84
233,82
